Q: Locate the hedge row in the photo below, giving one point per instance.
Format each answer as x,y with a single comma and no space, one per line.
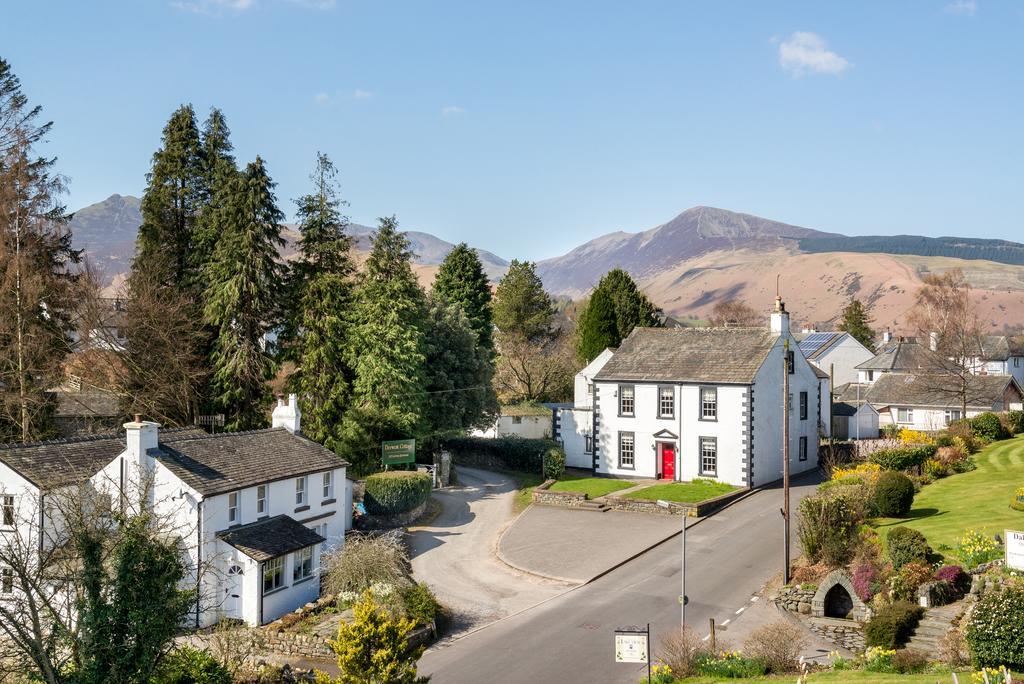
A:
396,491
509,453
902,458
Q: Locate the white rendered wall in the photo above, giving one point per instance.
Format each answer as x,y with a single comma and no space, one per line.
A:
574,427
843,358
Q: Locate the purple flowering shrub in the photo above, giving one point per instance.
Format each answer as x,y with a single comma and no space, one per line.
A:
958,580
865,580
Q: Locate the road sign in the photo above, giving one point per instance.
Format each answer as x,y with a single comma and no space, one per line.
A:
684,600
631,647
398,451
1014,549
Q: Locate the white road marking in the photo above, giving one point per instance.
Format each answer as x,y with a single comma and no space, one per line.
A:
754,598
727,622
741,610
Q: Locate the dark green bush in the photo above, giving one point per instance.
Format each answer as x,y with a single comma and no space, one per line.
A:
827,528
396,491
906,545
420,603
901,458
554,463
894,494
1016,421
188,665
506,453
987,425
964,465
995,629
891,625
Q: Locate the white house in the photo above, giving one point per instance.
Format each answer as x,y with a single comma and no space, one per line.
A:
574,425
913,400
1000,355
852,416
254,509
679,404
836,353
527,420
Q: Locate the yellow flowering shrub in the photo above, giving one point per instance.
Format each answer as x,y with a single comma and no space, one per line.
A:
865,472
908,436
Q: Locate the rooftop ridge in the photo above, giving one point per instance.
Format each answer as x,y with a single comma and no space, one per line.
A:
85,438
215,435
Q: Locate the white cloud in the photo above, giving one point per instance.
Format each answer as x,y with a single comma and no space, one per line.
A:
321,98
359,94
314,4
452,110
968,7
213,6
806,53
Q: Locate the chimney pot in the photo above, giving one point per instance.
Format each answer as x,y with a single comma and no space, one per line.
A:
138,417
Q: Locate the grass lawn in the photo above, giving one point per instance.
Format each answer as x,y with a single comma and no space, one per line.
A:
978,500
683,492
843,676
593,487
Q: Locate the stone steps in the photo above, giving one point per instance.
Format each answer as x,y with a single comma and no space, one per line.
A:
596,506
935,624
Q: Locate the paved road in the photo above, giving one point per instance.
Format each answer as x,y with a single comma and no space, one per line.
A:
569,639
454,554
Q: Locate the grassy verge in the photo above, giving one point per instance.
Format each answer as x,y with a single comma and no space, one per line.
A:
683,492
593,487
842,676
525,482
978,500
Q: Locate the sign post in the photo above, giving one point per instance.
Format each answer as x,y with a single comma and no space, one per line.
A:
1014,549
633,645
398,451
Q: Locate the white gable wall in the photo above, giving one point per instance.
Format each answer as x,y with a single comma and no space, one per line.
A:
842,360
583,379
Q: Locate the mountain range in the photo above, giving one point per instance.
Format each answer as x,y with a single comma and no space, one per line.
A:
699,258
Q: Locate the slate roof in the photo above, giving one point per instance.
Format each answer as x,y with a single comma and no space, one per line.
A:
902,389
61,462
720,355
86,404
847,393
218,463
908,357
819,372
841,408
816,349
270,538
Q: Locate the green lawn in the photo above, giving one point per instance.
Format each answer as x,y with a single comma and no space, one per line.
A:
593,487
843,676
683,492
978,500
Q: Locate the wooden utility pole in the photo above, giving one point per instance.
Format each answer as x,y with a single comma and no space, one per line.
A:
785,455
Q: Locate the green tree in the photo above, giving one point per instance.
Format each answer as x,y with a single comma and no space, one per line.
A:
458,373
521,306
857,322
632,307
175,193
245,281
218,171
374,647
37,295
461,281
598,326
320,289
387,350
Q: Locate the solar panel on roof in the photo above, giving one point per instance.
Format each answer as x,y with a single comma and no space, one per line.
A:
813,342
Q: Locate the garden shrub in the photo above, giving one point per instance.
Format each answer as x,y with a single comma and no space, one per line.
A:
890,431
419,603
827,528
778,645
894,494
554,463
954,575
879,659
396,491
865,581
891,625
188,665
730,666
964,465
681,649
975,548
1016,421
509,453
902,458
935,469
861,473
906,545
987,425
1017,500
908,436
994,629
953,649
808,574
909,661
905,582
963,435
1009,425
948,455
365,561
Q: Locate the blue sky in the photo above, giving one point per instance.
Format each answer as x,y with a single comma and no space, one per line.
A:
528,127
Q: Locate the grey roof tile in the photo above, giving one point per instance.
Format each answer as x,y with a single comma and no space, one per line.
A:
266,539
904,389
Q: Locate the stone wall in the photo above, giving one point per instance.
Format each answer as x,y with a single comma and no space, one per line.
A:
387,522
844,633
545,497
795,599
706,507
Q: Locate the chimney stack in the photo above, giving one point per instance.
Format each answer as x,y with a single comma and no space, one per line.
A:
287,415
887,336
140,437
933,341
780,318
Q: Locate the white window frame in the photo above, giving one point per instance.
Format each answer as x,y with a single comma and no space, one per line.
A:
708,409
274,568
8,510
708,454
233,509
802,448
949,415
666,401
302,564
321,529
909,420
631,389
328,484
261,499
803,405
627,454
588,444
301,495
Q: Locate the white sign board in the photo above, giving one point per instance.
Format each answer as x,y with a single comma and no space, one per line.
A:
631,648
1014,549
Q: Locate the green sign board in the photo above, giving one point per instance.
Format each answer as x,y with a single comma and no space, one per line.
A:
396,451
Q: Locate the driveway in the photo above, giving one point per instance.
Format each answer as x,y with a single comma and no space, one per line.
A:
570,638
455,553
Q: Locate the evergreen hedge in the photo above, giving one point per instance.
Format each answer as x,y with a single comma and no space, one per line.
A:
396,491
994,630
891,625
902,458
989,426
508,453
906,545
893,495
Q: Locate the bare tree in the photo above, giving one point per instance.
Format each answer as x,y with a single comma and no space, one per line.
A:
534,370
947,324
735,313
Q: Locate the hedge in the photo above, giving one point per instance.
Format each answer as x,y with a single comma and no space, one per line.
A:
893,624
902,458
906,545
994,629
396,491
508,453
894,494
989,426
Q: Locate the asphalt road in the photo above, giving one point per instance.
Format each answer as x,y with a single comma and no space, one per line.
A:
570,637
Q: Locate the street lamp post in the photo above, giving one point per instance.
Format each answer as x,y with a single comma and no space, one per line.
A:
682,572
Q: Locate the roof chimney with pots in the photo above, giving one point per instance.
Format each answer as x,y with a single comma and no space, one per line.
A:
887,336
780,318
140,437
287,415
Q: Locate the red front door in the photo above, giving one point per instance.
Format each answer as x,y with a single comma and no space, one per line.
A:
668,462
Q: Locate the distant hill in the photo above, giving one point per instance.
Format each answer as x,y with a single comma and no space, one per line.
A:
1000,251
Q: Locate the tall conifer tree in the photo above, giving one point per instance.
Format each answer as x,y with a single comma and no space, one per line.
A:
461,281
245,281
857,321
521,306
219,169
598,328
616,307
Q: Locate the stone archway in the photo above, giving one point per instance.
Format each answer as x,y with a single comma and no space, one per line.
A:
836,598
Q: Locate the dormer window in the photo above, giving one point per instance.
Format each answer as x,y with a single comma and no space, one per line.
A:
300,491
233,508
329,485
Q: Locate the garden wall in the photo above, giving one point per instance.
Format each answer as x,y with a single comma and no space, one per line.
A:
693,510
545,497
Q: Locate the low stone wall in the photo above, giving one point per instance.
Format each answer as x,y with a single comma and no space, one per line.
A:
545,497
845,633
795,600
621,503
